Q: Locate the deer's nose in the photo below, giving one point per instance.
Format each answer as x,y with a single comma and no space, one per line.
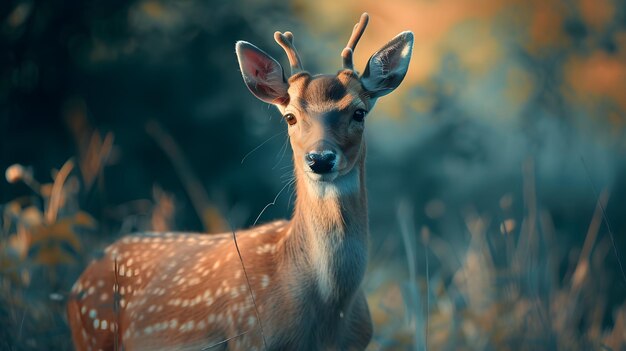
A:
320,162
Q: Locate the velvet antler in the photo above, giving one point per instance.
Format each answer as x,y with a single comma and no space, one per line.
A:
357,32
285,40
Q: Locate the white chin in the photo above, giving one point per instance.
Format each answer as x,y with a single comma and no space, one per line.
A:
326,177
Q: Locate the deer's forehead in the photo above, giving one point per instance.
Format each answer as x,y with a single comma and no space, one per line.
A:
326,93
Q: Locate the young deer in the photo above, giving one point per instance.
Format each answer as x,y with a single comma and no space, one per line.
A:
297,285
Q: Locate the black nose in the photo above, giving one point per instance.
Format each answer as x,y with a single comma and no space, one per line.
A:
320,162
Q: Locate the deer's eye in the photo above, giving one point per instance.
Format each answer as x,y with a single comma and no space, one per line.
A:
359,115
290,118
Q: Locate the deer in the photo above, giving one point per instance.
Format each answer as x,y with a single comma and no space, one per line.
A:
285,285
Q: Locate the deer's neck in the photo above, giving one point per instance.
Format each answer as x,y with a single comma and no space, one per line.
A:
329,233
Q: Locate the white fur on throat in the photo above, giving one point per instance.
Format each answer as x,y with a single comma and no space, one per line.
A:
333,242
343,185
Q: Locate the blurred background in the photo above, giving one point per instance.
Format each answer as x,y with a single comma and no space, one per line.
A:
496,172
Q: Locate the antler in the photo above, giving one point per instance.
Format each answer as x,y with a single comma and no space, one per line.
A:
357,32
285,40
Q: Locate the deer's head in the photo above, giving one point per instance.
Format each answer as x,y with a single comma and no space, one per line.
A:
325,113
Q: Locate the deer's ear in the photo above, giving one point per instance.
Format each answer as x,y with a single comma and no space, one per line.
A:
387,67
262,74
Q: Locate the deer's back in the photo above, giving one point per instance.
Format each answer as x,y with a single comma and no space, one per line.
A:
156,290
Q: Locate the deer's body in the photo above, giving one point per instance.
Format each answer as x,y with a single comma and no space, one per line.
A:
300,289
186,291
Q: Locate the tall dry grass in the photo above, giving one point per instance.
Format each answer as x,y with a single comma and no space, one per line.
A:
514,286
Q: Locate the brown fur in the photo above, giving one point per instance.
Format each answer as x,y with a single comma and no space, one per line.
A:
283,260
189,291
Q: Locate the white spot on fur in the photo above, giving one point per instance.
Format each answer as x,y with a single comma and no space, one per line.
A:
234,293
267,248
187,326
265,281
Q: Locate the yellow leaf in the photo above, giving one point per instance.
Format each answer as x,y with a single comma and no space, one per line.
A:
31,217
83,219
